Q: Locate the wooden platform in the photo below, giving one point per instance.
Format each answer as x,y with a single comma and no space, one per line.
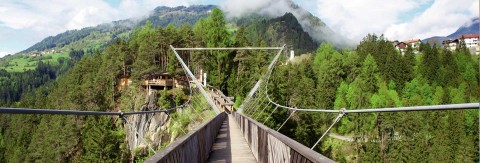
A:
230,146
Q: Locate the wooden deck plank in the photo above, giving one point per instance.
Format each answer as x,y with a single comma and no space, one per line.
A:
230,146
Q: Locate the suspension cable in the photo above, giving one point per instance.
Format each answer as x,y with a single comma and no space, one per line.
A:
291,114
276,107
326,132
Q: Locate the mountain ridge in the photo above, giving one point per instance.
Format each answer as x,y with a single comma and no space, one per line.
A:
471,27
162,16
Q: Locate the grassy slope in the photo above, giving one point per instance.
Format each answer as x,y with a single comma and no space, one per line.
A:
95,40
22,63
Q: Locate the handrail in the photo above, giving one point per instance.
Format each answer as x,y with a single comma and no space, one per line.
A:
193,147
226,103
271,146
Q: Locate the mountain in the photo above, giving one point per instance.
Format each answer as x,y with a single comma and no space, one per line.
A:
101,35
98,37
470,27
285,29
317,29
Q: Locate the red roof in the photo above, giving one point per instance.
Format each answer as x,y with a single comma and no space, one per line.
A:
411,41
470,36
401,45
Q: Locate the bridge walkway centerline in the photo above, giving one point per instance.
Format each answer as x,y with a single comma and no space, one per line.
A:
230,145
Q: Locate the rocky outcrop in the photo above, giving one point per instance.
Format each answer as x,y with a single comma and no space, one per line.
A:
147,130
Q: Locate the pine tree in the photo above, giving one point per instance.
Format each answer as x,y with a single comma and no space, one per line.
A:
217,36
430,63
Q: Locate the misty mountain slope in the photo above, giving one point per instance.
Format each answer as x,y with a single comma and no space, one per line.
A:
313,25
317,29
162,16
103,34
471,27
312,30
278,31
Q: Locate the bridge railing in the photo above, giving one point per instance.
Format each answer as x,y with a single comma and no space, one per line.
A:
193,147
223,102
268,145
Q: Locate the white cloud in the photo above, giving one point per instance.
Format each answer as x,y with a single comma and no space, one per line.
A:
2,54
442,18
355,19
235,8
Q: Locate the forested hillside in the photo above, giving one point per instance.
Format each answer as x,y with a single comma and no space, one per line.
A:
272,31
375,75
92,84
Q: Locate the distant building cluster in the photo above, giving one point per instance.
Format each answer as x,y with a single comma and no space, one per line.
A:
471,42
402,46
39,54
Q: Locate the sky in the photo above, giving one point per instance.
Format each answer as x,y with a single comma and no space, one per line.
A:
26,22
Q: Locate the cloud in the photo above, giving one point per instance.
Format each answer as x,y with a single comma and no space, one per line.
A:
355,19
43,18
237,8
276,8
442,18
2,54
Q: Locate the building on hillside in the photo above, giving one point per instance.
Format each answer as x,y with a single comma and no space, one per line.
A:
450,44
471,42
415,43
35,54
401,46
162,80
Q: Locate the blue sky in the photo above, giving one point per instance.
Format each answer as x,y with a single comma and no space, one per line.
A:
26,22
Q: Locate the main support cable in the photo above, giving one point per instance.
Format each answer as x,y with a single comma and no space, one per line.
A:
72,112
5,110
398,109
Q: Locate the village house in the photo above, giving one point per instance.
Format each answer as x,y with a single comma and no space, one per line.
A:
401,46
471,42
35,54
450,44
415,43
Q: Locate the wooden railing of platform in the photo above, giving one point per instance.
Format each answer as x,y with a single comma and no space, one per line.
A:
193,147
269,145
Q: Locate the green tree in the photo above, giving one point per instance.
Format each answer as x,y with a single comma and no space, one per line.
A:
217,36
430,63
101,140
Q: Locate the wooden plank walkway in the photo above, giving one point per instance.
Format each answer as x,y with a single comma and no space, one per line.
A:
230,146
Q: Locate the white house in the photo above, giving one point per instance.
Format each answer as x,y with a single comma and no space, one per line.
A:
471,41
450,44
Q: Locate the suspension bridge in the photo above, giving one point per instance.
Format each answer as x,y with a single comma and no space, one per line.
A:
230,135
